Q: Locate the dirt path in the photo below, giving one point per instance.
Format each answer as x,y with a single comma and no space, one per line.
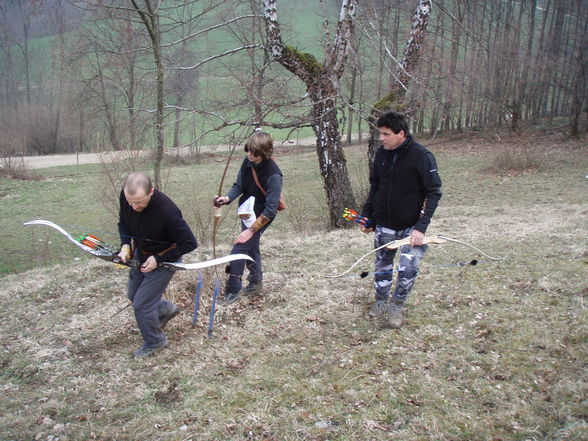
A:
94,158
57,160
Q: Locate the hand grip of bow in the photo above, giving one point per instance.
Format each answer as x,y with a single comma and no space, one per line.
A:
219,201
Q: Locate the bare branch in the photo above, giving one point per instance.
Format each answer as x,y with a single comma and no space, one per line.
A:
210,28
223,54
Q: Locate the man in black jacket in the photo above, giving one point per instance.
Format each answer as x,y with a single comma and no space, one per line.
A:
405,189
160,234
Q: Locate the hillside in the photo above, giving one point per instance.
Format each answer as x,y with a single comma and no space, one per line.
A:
492,351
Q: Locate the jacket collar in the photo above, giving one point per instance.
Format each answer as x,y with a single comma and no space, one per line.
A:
402,148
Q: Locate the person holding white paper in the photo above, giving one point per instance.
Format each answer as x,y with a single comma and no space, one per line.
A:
246,212
260,177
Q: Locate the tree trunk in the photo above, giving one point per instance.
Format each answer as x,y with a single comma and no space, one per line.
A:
131,110
150,19
397,91
109,110
322,84
332,162
351,104
521,99
580,79
455,44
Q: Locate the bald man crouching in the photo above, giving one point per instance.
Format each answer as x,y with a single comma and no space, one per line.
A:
152,231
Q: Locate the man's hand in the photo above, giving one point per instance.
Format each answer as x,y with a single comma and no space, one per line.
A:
416,238
125,253
219,201
149,265
365,230
244,236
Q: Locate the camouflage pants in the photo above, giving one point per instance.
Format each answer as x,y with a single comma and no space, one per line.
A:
408,265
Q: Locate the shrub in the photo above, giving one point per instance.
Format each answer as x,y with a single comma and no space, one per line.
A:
12,167
517,158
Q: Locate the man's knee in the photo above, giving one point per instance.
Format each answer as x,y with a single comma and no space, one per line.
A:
409,273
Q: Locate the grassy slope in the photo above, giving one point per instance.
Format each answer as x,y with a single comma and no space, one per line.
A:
491,352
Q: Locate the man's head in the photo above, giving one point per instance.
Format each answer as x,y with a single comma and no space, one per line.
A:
393,129
259,146
138,190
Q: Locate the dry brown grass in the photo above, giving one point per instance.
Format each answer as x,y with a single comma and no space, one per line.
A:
495,351
13,167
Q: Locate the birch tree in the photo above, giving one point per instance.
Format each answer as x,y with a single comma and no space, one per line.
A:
322,81
397,90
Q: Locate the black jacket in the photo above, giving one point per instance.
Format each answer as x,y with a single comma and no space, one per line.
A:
401,180
156,229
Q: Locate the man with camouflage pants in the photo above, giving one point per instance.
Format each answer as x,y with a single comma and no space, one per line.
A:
405,189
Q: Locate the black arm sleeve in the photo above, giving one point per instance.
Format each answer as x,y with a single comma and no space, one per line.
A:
123,229
432,186
181,234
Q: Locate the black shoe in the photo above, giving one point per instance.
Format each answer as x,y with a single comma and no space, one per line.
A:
229,298
144,352
253,289
166,318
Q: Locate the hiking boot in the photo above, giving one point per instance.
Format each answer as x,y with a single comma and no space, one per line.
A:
395,316
229,298
144,351
166,318
378,309
253,289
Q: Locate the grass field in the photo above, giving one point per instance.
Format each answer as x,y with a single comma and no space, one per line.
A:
495,351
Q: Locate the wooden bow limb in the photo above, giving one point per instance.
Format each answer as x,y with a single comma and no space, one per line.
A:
406,241
334,276
391,246
395,244
449,239
218,213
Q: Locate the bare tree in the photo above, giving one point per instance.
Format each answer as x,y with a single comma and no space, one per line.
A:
488,64
149,15
106,62
27,11
579,80
322,84
394,99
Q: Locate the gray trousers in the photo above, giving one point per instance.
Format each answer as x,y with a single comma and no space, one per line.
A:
408,265
145,291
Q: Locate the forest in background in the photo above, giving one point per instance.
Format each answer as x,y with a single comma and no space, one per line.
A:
96,75
79,76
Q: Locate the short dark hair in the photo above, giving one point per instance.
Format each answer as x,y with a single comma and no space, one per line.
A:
393,120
